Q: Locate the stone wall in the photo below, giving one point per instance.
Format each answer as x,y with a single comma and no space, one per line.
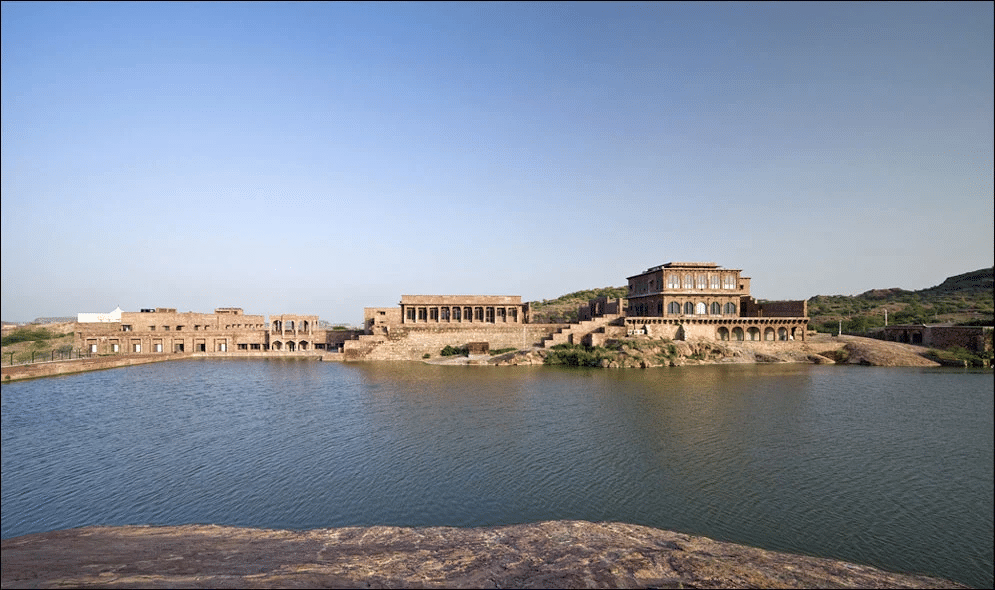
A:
413,342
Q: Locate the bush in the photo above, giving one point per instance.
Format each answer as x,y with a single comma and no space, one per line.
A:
455,351
27,335
576,355
502,350
957,356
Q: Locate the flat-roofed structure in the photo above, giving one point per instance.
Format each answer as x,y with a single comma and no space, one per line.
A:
227,330
462,309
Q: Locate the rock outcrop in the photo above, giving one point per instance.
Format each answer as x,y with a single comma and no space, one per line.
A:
556,554
822,349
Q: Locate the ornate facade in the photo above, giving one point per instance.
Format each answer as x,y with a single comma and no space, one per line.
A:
701,299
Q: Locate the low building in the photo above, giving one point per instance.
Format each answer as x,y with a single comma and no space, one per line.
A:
977,339
425,324
227,330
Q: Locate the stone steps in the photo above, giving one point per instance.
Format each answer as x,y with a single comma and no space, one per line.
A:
576,332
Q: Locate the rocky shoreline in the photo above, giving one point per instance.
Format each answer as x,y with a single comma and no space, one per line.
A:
554,554
647,353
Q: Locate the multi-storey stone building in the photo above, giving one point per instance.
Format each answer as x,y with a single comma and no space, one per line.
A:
702,299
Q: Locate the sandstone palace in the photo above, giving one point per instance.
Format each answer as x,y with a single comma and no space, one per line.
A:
677,301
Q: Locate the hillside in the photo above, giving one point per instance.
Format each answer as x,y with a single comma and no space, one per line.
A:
962,299
563,309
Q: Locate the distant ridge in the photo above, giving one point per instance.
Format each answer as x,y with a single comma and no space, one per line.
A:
966,299
978,280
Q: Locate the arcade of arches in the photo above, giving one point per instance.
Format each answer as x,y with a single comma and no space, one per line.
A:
729,329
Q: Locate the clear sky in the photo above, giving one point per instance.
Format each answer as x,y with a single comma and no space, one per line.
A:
321,158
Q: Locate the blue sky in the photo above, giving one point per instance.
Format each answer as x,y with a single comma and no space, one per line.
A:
321,158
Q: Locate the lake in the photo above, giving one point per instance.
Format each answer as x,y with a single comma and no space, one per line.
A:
883,466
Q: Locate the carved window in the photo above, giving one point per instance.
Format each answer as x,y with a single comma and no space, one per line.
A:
701,308
674,308
716,308
689,308
715,281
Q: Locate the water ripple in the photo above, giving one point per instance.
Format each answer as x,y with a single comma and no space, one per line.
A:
888,467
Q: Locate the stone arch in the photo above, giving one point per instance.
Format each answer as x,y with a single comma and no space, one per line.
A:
723,333
302,345
291,346
277,345
753,333
769,333
737,333
782,333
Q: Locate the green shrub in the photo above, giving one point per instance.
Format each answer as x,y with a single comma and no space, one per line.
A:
455,351
956,356
577,355
503,350
28,334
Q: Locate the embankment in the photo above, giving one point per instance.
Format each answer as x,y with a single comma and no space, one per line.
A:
555,554
49,369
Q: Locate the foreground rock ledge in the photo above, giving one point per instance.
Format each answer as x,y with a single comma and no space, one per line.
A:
558,554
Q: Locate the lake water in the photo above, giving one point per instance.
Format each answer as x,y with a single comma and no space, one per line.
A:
889,467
